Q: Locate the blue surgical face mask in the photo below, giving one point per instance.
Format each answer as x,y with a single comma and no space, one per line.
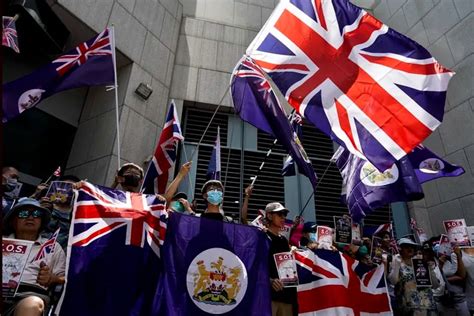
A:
214,197
177,206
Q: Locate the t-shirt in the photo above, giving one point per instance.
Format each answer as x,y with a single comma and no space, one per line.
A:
468,261
279,244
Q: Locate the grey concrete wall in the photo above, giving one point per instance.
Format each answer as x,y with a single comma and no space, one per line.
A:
146,32
445,28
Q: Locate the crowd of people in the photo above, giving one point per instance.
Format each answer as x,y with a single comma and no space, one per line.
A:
36,218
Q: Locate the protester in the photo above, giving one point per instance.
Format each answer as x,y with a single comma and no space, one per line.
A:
61,215
468,261
129,177
174,185
9,187
284,300
25,221
213,193
179,203
410,299
308,239
244,212
454,274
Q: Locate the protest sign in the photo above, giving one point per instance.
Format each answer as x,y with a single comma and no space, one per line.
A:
15,256
422,274
456,230
60,192
343,226
286,267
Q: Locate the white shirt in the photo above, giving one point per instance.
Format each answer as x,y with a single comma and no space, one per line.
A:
56,262
468,261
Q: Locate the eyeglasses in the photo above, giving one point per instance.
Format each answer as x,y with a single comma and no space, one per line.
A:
27,213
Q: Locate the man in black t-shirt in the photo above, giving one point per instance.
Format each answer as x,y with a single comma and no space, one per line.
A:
284,300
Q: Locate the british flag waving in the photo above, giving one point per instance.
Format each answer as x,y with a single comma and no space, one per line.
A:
156,176
332,283
369,88
114,262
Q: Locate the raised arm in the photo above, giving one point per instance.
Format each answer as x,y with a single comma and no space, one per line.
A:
244,212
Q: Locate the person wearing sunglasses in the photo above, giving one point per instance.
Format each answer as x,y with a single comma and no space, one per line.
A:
25,221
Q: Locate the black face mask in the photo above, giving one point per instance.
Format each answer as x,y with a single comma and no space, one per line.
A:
131,180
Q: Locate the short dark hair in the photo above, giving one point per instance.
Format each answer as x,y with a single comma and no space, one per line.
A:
128,166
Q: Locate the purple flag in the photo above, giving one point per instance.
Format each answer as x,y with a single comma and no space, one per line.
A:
214,168
429,166
368,189
214,268
256,103
289,164
89,64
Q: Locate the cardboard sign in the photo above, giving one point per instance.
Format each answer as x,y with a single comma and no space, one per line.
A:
470,233
286,267
445,246
285,231
376,252
422,272
15,256
456,229
343,226
325,236
60,192
356,234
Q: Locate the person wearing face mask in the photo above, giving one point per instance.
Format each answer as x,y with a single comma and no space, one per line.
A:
61,216
129,177
10,187
179,203
411,300
213,193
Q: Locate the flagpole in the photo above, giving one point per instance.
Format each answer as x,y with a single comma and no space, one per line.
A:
117,119
314,190
191,189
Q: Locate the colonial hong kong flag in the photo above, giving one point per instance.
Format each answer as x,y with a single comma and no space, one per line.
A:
371,89
289,168
367,188
256,103
429,166
9,35
214,168
47,248
332,283
114,261
156,176
89,64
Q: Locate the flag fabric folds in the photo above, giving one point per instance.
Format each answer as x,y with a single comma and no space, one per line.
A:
89,64
255,102
429,166
213,267
289,164
214,168
332,283
47,248
368,87
114,261
9,34
157,174
367,188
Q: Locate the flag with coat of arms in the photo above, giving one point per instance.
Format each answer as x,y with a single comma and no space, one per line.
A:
114,254
89,64
371,89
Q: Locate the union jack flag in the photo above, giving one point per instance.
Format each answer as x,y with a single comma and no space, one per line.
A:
102,210
9,35
101,46
332,283
369,88
156,176
47,248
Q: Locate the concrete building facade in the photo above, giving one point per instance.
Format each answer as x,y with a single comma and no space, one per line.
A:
186,50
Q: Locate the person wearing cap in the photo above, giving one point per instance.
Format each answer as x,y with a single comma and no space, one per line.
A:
284,300
129,177
25,221
213,193
179,203
410,299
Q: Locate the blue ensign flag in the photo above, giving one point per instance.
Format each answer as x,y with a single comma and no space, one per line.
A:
89,64
367,188
214,267
256,103
214,168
